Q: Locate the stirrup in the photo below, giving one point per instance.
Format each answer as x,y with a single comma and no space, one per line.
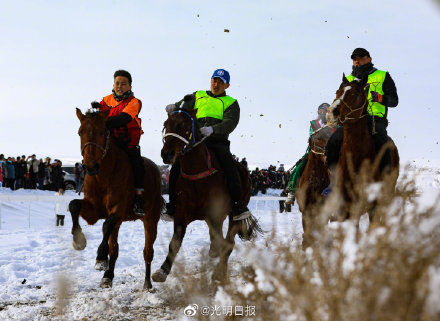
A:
242,216
290,200
167,216
137,207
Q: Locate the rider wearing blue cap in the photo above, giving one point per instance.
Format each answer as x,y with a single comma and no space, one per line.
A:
217,116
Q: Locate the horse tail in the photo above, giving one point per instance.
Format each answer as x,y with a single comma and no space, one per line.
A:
249,228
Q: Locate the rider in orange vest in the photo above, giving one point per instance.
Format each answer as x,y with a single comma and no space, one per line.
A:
125,125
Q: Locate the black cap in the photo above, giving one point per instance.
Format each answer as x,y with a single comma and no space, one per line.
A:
324,106
360,52
123,73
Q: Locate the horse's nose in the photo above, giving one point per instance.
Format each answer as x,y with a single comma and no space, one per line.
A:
167,156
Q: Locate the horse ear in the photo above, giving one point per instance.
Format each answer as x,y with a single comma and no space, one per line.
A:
344,79
79,114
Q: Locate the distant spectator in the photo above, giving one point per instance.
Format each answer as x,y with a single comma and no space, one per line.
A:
77,172
47,183
20,173
41,173
244,162
56,175
10,173
32,164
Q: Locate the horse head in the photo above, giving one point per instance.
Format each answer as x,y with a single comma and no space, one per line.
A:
180,133
351,101
95,139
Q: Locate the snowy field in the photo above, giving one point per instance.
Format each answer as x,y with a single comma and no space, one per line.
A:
37,259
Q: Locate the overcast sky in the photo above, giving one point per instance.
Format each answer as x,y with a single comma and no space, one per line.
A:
285,58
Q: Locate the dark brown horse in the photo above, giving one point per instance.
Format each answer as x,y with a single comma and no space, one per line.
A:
313,180
109,194
358,157
201,193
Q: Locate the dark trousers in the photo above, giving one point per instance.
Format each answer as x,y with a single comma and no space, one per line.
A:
334,143
60,220
227,164
137,163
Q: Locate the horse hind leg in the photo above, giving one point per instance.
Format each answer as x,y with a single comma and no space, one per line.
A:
109,274
79,240
176,242
102,263
150,228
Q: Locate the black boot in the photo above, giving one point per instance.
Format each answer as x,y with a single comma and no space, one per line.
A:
240,211
169,214
138,207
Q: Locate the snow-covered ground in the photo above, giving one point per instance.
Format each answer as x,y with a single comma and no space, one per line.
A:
37,260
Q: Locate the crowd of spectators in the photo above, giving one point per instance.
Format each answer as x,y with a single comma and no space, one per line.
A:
31,173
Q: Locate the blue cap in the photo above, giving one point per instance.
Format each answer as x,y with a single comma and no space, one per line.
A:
222,74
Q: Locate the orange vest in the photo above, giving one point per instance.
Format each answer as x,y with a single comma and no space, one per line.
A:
131,106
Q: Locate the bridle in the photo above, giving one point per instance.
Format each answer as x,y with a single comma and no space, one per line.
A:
352,110
188,141
320,150
104,149
191,140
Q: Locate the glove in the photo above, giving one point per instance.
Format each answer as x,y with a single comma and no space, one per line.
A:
117,121
169,108
376,97
206,131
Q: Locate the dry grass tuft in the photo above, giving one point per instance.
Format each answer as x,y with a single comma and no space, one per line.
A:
390,272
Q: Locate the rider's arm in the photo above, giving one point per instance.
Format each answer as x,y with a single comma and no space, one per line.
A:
390,98
231,116
130,111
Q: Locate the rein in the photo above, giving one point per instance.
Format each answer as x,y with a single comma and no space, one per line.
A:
104,149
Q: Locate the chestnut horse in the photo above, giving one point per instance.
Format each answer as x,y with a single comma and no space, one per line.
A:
109,195
358,157
201,193
313,180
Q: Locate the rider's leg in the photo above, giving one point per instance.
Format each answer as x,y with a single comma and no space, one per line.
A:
228,165
171,205
134,154
380,138
332,150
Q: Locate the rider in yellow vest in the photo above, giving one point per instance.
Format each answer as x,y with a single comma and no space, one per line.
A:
217,116
382,94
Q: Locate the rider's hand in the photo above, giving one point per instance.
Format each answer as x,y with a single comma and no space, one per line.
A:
169,108
206,131
376,97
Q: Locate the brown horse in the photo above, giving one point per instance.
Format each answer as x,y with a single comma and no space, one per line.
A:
313,180
109,195
201,193
358,157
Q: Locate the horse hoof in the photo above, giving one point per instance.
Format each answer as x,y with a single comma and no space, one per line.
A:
148,287
79,241
105,283
219,275
159,276
101,265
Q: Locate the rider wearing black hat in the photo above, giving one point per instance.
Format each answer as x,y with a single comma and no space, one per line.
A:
382,94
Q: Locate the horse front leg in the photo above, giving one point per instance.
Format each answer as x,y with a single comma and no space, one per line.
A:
86,210
150,228
176,242
113,245
216,238
221,271
108,227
